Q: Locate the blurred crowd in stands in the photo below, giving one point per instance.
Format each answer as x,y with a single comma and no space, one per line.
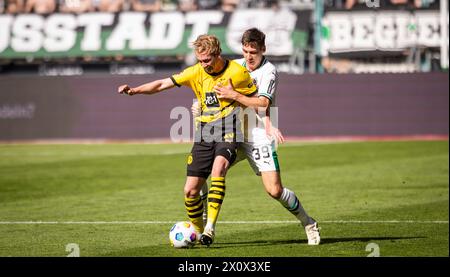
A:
82,6
364,4
407,61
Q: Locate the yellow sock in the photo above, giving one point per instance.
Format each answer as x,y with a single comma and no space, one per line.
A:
215,199
194,208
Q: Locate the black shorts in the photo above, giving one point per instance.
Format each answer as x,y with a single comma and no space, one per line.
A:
201,159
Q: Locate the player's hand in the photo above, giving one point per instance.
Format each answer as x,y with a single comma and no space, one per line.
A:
196,109
277,135
226,92
125,89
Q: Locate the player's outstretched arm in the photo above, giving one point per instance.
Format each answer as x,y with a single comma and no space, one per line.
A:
228,92
148,88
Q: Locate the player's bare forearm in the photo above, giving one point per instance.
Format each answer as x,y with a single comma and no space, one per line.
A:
254,102
228,92
244,100
148,88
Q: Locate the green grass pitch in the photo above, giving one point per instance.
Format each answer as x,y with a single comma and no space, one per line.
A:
123,198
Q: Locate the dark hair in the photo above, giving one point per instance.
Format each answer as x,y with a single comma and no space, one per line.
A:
254,37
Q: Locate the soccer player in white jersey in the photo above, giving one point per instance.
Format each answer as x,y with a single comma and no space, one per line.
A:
260,146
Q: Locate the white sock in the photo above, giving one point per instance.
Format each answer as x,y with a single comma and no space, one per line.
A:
204,197
290,201
210,226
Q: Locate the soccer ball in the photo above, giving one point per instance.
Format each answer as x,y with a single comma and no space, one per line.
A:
183,235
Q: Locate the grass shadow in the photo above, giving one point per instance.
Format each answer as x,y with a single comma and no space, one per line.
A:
304,241
197,251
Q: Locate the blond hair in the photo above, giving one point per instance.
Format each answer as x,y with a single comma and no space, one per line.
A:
207,43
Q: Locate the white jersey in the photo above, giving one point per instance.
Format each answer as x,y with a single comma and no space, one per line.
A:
265,78
260,149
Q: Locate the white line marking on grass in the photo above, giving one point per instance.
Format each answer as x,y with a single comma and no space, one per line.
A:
387,221
93,154
167,141
227,222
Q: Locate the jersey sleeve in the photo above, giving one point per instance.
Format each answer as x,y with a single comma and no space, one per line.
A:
243,83
184,78
268,84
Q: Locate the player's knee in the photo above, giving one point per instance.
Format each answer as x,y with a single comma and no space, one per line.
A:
190,192
221,171
220,166
275,191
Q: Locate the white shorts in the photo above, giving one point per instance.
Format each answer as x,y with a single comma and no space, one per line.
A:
261,156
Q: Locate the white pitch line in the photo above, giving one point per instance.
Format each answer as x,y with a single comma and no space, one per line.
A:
90,154
225,222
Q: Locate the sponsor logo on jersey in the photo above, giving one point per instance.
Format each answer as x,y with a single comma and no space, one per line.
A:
229,137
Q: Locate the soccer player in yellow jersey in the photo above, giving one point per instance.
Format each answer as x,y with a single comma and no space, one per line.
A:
219,129
260,145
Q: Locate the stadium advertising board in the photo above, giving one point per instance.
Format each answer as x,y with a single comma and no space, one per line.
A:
145,34
311,105
379,30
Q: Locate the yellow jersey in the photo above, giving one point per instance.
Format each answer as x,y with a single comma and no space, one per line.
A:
202,83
